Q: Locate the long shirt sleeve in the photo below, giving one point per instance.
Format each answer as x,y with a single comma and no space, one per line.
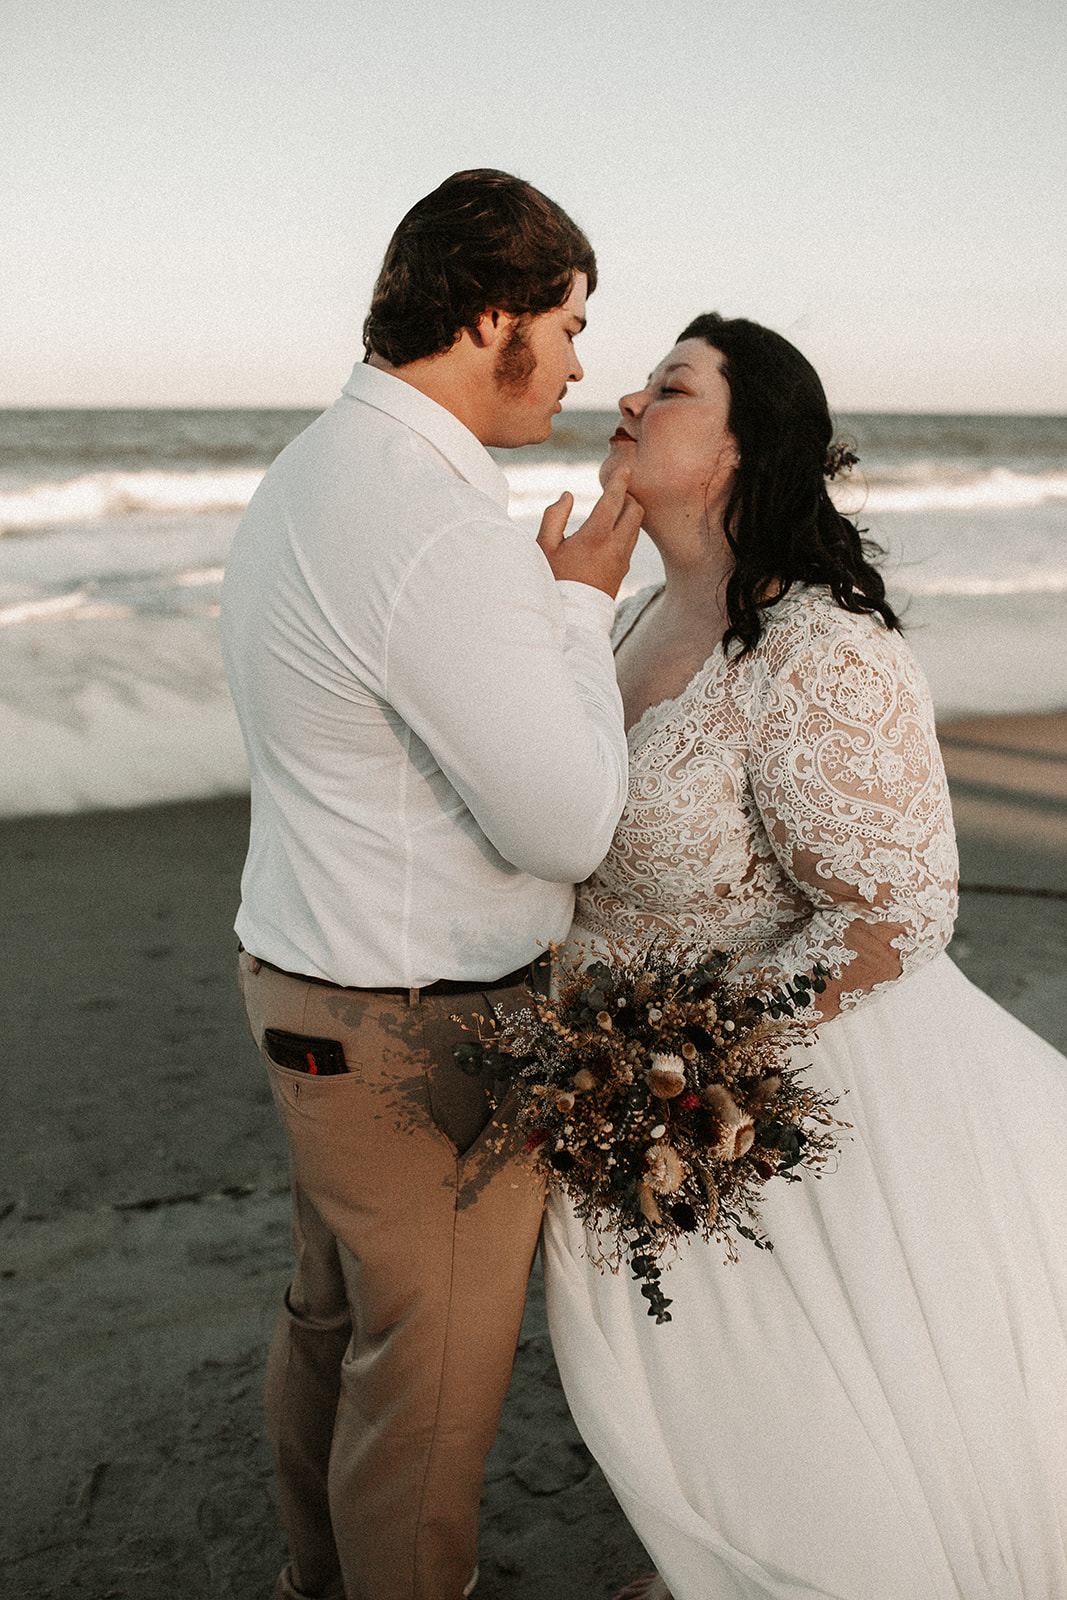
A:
513,695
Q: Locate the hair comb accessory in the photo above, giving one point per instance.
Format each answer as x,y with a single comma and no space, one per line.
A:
839,458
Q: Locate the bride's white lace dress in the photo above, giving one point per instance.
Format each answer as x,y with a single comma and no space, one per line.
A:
877,1410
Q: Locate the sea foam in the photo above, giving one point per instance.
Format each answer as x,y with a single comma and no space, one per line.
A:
103,495
106,496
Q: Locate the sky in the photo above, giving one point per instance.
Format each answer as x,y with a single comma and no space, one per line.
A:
195,196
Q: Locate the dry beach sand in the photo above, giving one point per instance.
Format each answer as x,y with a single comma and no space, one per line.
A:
143,1216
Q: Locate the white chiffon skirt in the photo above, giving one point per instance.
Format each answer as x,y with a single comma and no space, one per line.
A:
877,1410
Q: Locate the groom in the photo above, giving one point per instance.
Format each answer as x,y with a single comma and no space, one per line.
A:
437,754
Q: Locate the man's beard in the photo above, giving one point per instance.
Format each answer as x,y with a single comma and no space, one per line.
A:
516,363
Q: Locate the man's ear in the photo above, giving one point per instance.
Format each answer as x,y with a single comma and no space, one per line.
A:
488,328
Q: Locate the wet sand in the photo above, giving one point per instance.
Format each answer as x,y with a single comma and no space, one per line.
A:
143,1214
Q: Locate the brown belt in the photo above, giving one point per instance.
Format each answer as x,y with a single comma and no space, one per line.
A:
510,980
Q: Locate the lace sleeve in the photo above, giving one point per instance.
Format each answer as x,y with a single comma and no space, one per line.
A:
849,781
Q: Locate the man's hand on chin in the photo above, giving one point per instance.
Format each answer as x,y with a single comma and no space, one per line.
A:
599,552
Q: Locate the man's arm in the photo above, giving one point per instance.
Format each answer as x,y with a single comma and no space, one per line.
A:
507,678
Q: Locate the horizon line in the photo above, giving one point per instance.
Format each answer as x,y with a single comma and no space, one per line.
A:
852,410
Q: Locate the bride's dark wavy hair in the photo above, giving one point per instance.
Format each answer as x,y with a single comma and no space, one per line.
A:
781,524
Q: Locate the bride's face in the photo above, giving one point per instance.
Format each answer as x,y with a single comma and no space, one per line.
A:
674,437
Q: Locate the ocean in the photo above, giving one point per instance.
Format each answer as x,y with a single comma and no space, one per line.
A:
114,528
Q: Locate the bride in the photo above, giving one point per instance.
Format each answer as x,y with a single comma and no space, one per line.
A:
877,1410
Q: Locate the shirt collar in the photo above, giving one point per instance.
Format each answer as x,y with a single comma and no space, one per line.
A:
463,452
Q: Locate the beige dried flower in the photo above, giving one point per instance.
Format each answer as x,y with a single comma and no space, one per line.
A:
647,1201
712,1192
666,1076
738,1134
767,1088
583,1079
665,1085
666,1169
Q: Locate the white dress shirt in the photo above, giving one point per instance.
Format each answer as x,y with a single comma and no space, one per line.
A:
433,726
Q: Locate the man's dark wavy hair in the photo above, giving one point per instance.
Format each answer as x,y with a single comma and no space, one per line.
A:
482,240
781,524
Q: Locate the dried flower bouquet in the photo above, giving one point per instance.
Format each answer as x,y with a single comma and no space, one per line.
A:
659,1091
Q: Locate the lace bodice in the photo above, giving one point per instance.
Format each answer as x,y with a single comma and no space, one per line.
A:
792,806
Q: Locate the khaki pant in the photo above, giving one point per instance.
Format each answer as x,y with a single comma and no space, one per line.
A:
413,1236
